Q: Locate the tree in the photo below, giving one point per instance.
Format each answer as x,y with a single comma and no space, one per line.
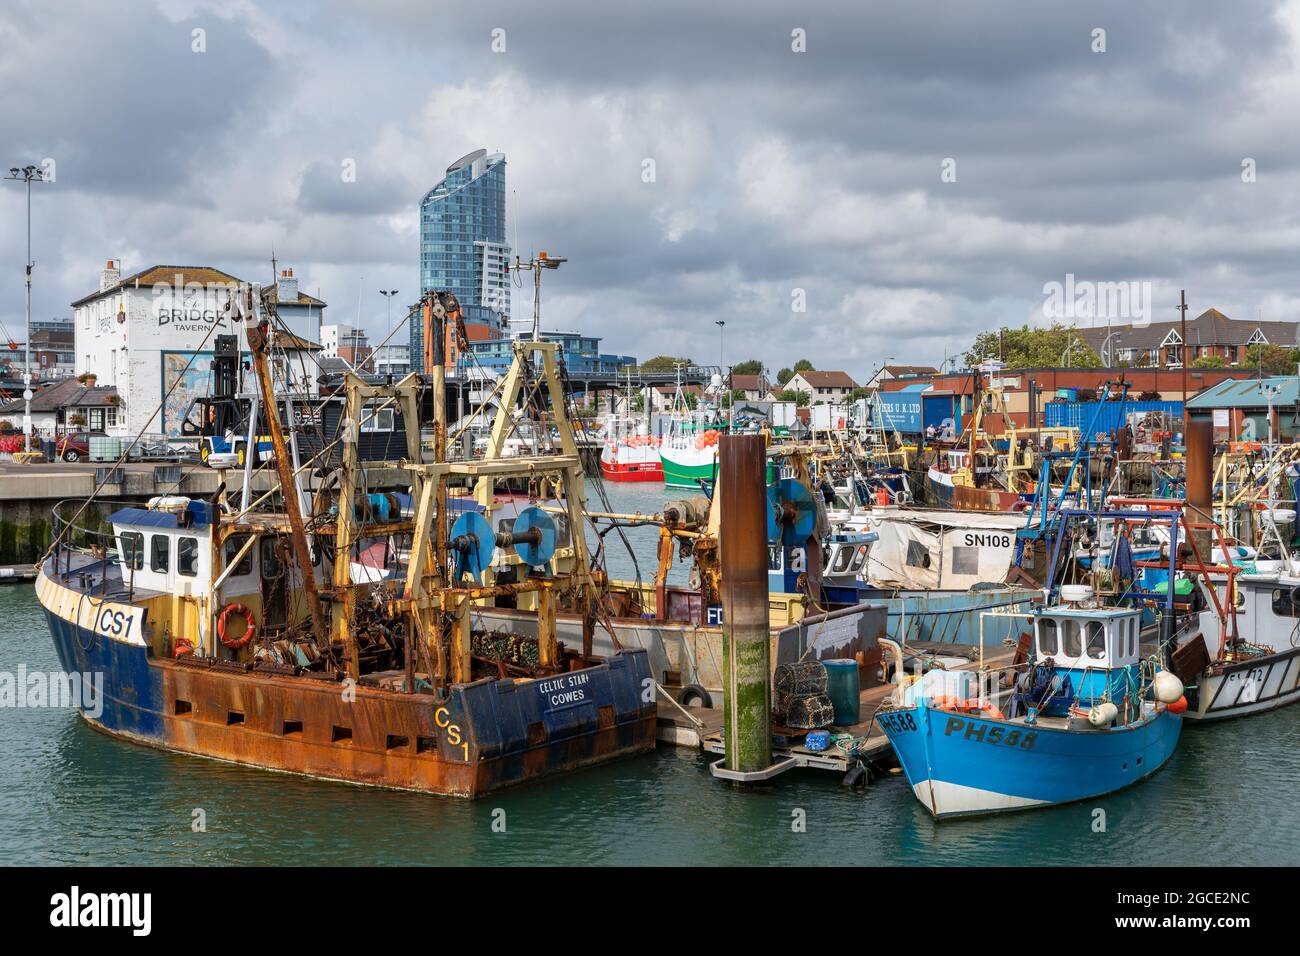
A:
803,365
730,398
1209,361
799,398
748,367
1274,359
1033,348
663,363
858,394
784,376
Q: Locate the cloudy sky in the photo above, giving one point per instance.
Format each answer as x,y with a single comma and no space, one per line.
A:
1126,155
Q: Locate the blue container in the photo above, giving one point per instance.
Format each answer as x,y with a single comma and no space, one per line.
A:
843,687
817,740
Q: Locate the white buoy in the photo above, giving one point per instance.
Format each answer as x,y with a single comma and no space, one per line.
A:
1167,687
1103,714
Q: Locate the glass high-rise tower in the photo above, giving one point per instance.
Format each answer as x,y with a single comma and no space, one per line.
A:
463,244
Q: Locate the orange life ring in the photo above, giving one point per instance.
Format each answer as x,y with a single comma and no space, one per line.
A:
249,631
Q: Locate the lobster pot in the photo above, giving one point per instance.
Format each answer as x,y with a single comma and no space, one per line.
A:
843,688
800,679
810,712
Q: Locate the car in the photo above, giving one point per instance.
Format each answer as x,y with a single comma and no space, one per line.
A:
75,446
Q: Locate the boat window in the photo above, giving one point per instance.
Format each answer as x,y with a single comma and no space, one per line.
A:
842,555
131,545
378,419
159,553
187,556
1132,636
270,558
1284,602
1047,643
965,560
1095,634
231,548
1070,642
859,557
918,555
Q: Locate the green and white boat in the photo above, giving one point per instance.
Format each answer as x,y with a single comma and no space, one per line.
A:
690,455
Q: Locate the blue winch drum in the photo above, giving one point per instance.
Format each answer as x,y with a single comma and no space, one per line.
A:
540,551
474,529
843,687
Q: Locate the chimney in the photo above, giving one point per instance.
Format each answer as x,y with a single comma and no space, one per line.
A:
109,277
286,287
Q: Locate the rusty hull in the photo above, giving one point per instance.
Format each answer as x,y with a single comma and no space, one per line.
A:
381,738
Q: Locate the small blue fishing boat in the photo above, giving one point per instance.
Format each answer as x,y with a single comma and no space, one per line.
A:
1085,717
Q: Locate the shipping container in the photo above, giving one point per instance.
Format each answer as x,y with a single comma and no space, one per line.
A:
940,411
1080,414
900,411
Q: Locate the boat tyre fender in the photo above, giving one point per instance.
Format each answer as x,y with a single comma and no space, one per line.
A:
694,694
249,631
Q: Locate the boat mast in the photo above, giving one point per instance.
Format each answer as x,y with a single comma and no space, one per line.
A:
258,334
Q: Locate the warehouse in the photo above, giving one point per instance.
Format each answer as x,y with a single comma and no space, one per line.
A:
1254,410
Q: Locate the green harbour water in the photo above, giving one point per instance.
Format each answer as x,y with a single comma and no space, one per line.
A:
72,796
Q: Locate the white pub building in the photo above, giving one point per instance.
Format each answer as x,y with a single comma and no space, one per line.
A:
151,335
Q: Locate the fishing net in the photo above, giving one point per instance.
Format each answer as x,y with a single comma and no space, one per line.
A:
508,648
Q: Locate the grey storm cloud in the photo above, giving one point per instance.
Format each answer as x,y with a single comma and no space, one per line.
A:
775,171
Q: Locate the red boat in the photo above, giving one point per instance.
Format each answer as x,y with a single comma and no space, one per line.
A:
635,458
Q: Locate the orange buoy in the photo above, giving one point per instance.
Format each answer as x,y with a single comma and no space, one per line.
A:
1178,706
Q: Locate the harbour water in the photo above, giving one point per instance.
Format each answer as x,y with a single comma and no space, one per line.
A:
69,795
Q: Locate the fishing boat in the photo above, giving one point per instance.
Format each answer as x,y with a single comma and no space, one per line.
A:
276,634
690,452
629,452
1257,666
1085,716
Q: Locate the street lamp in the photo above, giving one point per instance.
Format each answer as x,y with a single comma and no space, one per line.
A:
1108,351
28,174
388,305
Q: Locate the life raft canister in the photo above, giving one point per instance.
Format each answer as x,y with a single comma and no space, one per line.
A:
249,630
